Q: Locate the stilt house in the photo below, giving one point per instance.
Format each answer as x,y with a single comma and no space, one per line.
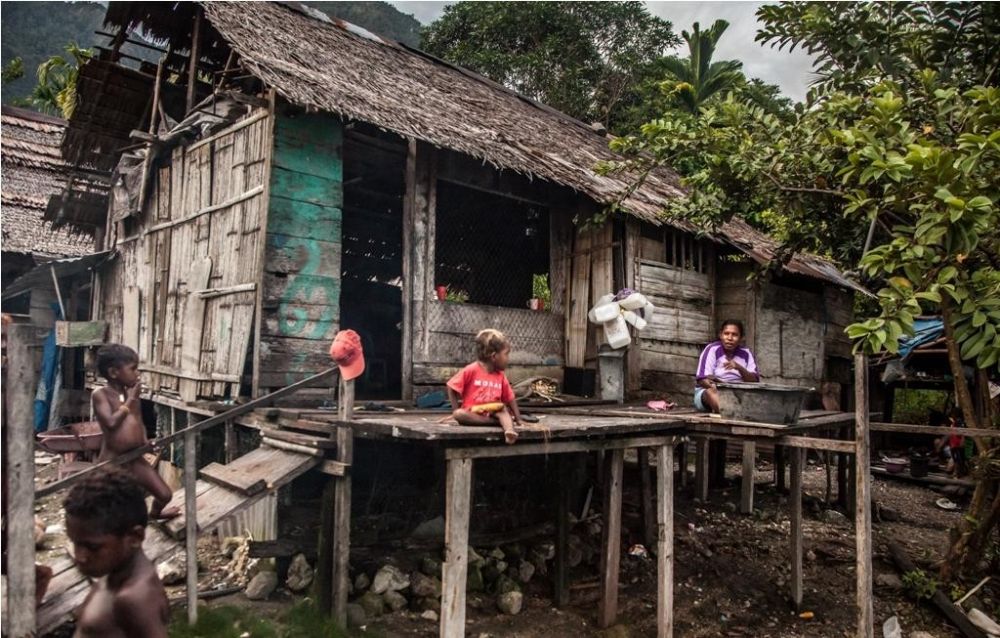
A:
298,174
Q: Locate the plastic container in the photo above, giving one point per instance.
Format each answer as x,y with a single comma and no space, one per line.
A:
762,402
616,333
604,313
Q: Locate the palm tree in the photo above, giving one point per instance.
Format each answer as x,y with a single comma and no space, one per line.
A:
55,92
698,78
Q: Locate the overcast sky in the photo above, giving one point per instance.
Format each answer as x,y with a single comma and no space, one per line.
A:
790,71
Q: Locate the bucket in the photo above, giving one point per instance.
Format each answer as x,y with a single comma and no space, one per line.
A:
919,465
762,402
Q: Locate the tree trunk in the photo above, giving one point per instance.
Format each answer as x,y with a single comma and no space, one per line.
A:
973,530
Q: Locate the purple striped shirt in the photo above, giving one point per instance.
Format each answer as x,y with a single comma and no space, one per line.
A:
712,363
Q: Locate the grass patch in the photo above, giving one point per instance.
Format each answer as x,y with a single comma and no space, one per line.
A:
301,621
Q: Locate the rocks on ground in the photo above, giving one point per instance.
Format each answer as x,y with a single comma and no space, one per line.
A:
173,571
262,585
394,600
510,602
372,603
356,616
300,574
389,578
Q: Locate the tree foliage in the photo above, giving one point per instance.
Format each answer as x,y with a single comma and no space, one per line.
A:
579,57
901,136
697,77
55,92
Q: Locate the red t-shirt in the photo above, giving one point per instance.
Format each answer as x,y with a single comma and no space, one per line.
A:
477,386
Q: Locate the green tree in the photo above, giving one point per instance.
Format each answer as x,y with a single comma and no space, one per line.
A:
579,57
55,92
697,77
908,152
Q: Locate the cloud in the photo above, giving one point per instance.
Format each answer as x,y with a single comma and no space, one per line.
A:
790,71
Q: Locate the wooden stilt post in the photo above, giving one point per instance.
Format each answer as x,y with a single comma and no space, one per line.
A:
746,477
19,472
230,442
665,542
342,505
779,468
458,502
611,551
682,462
646,494
191,519
795,499
863,504
701,469
561,593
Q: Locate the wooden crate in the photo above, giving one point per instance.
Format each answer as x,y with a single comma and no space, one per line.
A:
72,334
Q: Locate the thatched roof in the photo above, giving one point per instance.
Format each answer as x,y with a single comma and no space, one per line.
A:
331,65
33,171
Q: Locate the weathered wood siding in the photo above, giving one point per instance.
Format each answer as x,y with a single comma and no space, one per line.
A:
302,261
183,289
681,325
792,331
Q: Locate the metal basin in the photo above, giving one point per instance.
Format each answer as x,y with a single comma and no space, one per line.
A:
762,402
76,437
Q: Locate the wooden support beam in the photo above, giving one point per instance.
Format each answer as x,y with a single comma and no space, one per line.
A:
907,428
554,447
193,60
779,468
746,477
559,581
458,503
191,518
648,507
701,469
795,499
607,610
19,473
230,441
863,503
682,462
665,541
342,505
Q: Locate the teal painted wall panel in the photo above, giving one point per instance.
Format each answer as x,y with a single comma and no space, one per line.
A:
302,261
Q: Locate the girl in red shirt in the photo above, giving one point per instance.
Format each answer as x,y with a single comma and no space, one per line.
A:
480,393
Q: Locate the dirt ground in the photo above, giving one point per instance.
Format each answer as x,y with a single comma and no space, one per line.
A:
732,571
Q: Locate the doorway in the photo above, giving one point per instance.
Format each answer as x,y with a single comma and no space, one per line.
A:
371,300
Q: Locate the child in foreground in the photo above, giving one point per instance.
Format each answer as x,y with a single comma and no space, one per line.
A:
106,522
480,393
119,412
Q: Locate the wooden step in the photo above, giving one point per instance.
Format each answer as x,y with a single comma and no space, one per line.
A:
217,502
306,440
233,478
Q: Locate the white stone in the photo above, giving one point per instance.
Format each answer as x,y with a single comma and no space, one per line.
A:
510,602
300,574
389,578
262,585
172,571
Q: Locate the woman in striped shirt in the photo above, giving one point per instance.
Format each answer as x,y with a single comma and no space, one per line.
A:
724,361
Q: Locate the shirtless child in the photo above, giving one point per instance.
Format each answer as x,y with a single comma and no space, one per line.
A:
106,522
120,414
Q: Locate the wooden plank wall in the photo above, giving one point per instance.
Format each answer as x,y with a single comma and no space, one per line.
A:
591,277
183,289
302,261
681,325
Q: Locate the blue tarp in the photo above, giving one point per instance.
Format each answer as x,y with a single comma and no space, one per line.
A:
47,378
925,331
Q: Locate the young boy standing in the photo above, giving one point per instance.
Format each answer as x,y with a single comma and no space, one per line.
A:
119,412
106,522
480,393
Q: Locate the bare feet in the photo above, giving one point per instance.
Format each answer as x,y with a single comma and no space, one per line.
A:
166,513
510,437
